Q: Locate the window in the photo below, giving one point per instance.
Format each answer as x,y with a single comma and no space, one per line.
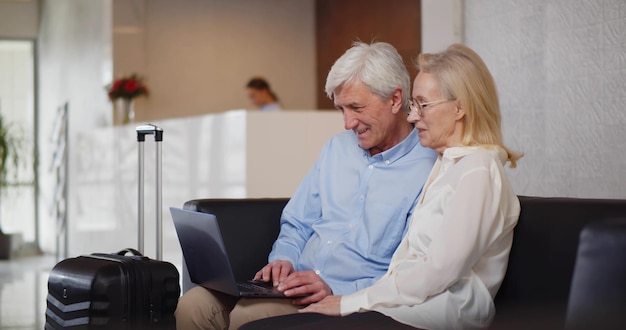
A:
17,106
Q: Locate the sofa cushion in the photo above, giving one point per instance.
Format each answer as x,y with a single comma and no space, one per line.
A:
535,289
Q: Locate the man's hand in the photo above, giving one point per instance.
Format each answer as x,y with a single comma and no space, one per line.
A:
330,305
305,282
276,271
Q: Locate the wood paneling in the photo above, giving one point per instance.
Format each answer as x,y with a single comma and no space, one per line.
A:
341,22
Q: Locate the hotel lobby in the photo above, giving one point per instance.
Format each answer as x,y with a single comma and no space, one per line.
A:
559,67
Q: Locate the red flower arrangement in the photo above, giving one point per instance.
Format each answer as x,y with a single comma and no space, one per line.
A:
127,88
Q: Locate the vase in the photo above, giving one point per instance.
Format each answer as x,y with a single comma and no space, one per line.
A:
124,111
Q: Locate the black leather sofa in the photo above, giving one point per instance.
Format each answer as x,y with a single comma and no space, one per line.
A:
535,291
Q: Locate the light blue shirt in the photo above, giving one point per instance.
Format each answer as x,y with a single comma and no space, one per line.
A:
351,211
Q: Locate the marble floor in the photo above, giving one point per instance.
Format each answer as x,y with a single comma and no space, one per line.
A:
23,290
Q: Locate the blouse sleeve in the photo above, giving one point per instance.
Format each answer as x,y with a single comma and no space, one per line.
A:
472,221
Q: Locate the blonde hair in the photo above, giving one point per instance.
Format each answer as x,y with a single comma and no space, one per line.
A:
463,76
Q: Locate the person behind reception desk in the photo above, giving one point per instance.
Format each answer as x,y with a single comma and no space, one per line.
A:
339,230
261,95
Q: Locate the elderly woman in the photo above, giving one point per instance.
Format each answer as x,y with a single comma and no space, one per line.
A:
449,266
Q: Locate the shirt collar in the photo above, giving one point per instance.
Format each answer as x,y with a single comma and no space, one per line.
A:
398,151
453,154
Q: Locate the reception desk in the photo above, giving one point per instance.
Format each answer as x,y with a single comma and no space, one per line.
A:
235,154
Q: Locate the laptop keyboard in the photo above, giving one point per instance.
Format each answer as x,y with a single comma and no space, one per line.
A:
247,286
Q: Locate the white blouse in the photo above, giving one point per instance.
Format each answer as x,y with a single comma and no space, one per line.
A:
450,264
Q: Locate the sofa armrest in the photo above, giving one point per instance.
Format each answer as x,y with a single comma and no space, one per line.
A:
536,287
249,228
597,297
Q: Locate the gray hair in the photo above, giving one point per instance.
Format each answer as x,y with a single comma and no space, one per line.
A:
377,65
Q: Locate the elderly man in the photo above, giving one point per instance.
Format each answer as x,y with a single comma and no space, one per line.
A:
340,229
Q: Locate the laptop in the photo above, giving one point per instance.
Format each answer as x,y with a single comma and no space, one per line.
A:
207,260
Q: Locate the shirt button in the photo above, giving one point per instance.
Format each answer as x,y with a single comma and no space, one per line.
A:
317,271
370,167
329,242
361,197
387,162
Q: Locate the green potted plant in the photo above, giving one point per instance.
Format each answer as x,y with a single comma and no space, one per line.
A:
9,153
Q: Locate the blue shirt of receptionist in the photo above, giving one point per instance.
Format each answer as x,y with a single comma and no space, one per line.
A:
275,106
351,210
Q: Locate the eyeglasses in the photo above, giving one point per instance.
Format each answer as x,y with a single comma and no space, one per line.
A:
419,107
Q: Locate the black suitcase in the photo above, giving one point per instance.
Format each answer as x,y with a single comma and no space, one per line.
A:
115,291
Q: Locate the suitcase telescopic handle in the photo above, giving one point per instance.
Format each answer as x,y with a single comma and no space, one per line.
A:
149,129
131,251
142,131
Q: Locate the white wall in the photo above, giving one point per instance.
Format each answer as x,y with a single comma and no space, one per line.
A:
74,65
442,24
198,55
561,73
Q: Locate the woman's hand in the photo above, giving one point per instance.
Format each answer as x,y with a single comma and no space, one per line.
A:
331,305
